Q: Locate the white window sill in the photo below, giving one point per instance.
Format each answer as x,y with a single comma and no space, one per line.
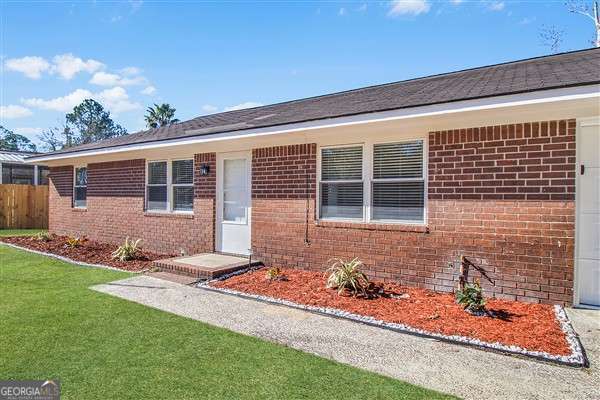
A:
169,214
418,227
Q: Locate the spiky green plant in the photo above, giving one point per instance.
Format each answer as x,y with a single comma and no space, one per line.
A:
127,251
274,273
74,242
43,237
471,297
347,276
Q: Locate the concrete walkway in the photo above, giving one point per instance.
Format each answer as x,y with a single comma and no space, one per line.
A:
464,372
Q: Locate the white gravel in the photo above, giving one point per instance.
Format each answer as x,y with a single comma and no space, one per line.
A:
458,370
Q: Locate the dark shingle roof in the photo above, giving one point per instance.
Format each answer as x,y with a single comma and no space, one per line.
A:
542,73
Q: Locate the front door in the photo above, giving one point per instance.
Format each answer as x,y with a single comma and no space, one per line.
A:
588,213
233,202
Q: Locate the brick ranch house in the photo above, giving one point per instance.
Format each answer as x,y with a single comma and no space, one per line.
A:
499,163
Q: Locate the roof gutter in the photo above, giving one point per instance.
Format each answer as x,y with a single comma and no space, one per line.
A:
490,103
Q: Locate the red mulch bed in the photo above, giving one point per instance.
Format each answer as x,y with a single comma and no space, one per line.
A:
530,326
89,252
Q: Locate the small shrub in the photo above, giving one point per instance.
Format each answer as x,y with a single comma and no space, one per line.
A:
73,242
43,237
127,251
347,276
275,274
471,298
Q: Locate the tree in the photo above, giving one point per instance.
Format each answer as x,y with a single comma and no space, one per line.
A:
14,142
551,37
51,138
588,10
92,123
160,115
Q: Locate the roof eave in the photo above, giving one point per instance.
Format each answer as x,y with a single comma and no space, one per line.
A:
485,103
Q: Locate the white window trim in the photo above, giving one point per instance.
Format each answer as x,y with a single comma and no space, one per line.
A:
75,168
170,185
368,147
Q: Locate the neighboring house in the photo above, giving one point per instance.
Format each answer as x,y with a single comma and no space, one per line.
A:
13,169
499,163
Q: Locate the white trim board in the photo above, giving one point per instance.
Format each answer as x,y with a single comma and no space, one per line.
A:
490,103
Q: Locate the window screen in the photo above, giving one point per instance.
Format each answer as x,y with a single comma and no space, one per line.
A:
80,187
183,185
43,175
156,192
341,188
398,184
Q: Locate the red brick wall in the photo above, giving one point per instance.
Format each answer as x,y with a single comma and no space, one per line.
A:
115,208
284,172
502,196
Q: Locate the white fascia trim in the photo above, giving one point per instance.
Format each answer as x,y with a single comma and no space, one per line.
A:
490,103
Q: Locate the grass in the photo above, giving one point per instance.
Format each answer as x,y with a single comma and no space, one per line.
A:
20,232
102,347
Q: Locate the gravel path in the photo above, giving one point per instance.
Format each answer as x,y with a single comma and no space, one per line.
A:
464,372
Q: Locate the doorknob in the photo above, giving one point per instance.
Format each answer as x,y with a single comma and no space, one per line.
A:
582,169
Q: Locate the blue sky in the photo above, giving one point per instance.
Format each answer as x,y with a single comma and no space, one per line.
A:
205,57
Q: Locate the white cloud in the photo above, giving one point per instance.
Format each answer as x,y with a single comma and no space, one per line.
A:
115,99
116,18
406,7
456,2
496,6
527,20
31,67
209,108
30,132
149,90
12,111
130,71
362,7
241,106
67,65
102,78
62,104
342,11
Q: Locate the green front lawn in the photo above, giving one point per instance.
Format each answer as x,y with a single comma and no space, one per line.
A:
102,347
20,232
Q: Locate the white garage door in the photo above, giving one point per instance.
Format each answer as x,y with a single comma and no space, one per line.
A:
588,212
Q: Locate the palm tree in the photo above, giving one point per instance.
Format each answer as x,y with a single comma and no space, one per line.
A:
160,115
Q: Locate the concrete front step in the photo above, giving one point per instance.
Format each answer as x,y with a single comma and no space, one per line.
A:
205,265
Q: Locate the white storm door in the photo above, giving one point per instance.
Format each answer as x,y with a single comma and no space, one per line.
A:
588,213
234,202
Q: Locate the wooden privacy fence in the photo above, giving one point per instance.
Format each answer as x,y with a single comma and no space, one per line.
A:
23,206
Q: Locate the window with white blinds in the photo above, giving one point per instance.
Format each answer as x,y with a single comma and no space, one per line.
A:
170,185
381,182
80,188
183,185
341,189
397,186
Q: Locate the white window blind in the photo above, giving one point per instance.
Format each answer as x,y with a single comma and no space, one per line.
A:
156,190
397,187
80,188
341,188
183,185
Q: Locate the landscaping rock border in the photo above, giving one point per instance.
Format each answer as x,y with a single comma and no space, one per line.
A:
577,358
69,260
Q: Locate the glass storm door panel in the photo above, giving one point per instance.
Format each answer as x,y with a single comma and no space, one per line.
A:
234,203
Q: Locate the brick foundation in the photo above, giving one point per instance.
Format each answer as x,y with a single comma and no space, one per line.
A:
503,196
